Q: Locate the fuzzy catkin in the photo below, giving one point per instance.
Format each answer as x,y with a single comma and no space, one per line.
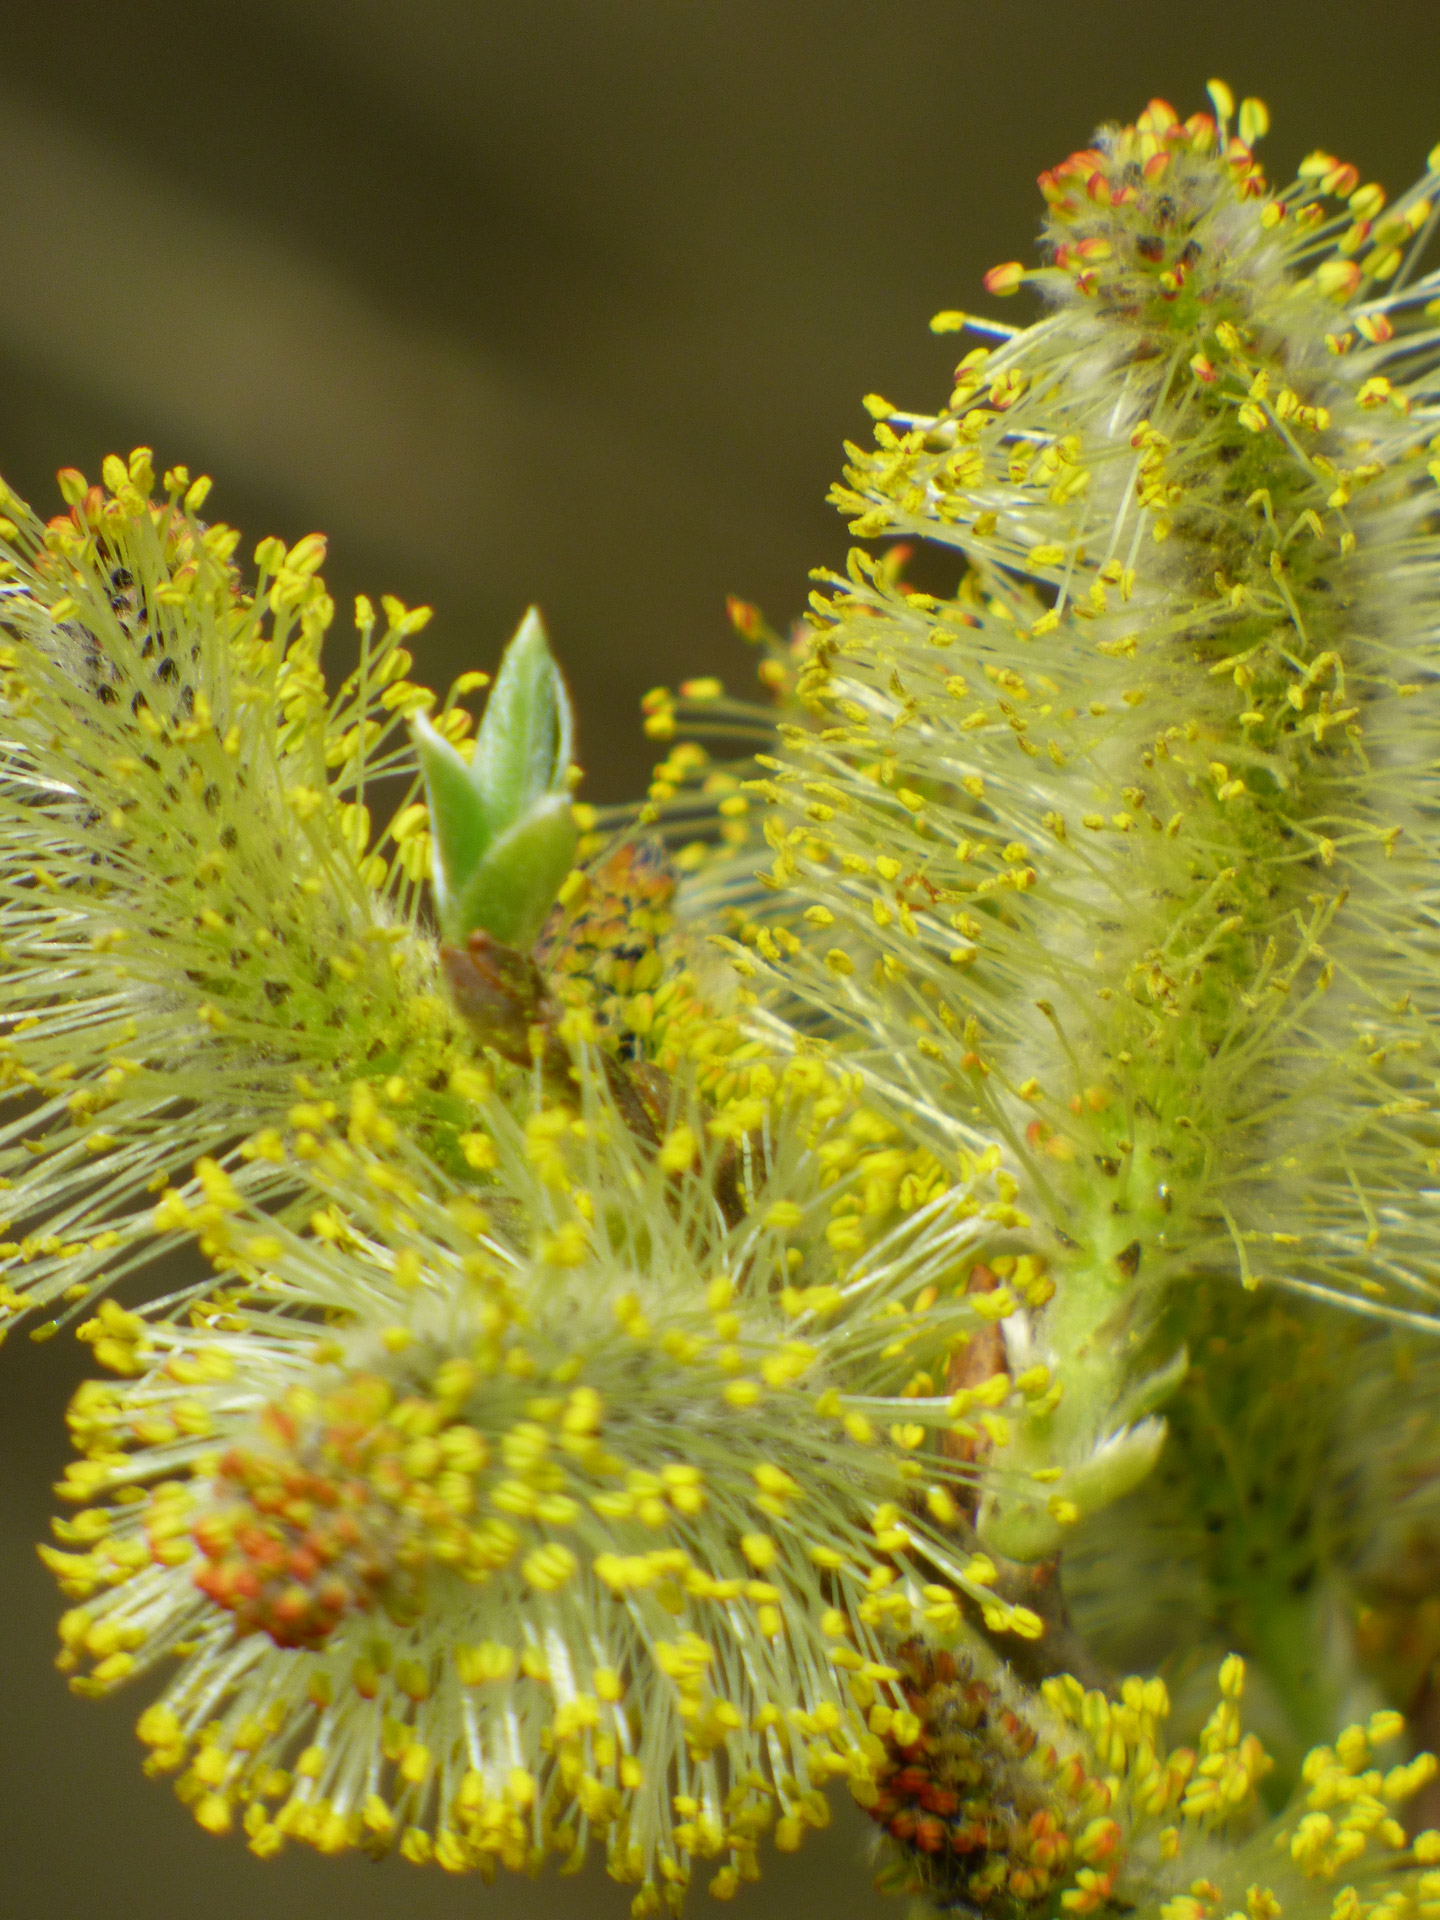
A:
507,1559
198,928
1124,856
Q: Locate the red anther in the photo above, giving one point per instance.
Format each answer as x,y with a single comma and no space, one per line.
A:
275,1424
259,1545
244,1584
211,1535
936,1799
1082,164
745,618
210,1581
292,1606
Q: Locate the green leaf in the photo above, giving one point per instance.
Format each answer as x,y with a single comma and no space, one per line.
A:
458,815
512,889
523,745
504,836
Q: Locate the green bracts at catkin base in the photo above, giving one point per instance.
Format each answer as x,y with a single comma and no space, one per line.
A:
907,1262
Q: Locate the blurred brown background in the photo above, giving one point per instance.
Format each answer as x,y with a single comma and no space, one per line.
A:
571,301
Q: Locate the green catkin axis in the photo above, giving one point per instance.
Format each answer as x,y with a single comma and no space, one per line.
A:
1292,1518
1253,1531
1124,857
